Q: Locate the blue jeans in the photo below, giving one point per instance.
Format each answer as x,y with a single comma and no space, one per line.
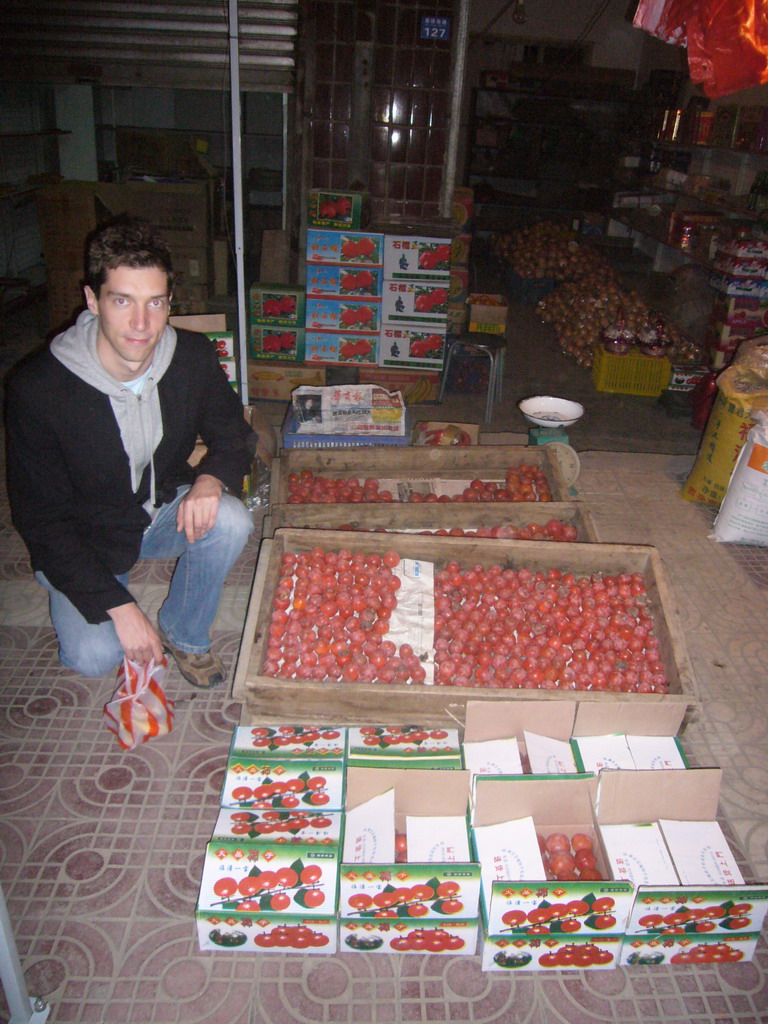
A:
193,597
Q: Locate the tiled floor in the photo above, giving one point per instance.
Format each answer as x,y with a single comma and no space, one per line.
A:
102,850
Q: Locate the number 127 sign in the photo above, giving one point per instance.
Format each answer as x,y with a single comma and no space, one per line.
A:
435,28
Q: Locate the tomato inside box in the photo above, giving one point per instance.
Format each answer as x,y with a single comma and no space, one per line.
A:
575,892
455,463
347,696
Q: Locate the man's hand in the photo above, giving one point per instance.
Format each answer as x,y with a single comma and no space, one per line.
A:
137,636
199,507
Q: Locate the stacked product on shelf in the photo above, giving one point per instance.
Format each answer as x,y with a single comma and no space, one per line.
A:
344,304
740,310
415,301
276,317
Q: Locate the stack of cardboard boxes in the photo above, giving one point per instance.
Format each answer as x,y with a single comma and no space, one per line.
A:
380,303
409,840
71,211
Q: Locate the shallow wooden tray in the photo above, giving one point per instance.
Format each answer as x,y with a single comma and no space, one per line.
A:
410,518
485,462
282,700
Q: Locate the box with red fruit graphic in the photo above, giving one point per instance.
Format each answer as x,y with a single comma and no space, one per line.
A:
350,248
224,343
250,888
327,742
378,746
419,302
329,208
265,342
549,899
287,783
277,304
309,827
354,315
406,865
414,256
361,283
417,345
681,917
341,347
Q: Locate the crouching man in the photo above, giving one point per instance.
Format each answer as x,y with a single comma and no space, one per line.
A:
99,428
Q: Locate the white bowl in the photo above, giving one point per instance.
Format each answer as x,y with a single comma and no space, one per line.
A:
546,411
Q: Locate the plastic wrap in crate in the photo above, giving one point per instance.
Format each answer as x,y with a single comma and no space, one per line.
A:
293,439
631,374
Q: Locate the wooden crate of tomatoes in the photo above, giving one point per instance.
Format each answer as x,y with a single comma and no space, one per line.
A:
479,473
546,521
496,619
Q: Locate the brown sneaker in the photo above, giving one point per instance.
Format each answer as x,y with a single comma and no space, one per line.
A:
204,671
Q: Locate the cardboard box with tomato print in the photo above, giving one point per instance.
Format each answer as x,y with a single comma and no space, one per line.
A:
341,347
350,248
403,746
318,742
332,314
415,302
328,280
416,345
262,895
329,208
282,783
390,901
692,923
277,304
408,257
533,919
270,342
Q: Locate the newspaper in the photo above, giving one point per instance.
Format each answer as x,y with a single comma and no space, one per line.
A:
349,409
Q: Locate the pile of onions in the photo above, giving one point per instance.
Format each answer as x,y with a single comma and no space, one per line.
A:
589,293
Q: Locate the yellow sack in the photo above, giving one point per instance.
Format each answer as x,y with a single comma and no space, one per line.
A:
742,391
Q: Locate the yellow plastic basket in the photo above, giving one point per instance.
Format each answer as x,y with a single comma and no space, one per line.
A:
631,374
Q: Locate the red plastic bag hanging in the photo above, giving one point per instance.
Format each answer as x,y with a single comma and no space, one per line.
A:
727,40
139,709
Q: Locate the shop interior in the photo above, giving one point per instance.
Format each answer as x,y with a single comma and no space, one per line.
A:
601,210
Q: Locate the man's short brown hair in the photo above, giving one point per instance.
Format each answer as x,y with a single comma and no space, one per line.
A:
127,242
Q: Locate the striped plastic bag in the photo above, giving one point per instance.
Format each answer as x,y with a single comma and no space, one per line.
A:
139,709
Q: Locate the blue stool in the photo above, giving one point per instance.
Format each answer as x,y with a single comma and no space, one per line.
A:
476,342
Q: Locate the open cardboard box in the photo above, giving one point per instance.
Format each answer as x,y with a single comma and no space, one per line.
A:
429,907
657,725
681,924
537,923
567,720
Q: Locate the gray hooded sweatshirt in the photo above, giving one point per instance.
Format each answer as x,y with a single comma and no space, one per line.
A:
138,416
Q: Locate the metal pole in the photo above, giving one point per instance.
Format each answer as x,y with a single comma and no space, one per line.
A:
237,194
24,1010
457,80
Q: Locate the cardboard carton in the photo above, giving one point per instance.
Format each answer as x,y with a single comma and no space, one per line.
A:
412,345
414,302
419,901
327,280
274,382
538,923
350,248
676,920
376,746
409,257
